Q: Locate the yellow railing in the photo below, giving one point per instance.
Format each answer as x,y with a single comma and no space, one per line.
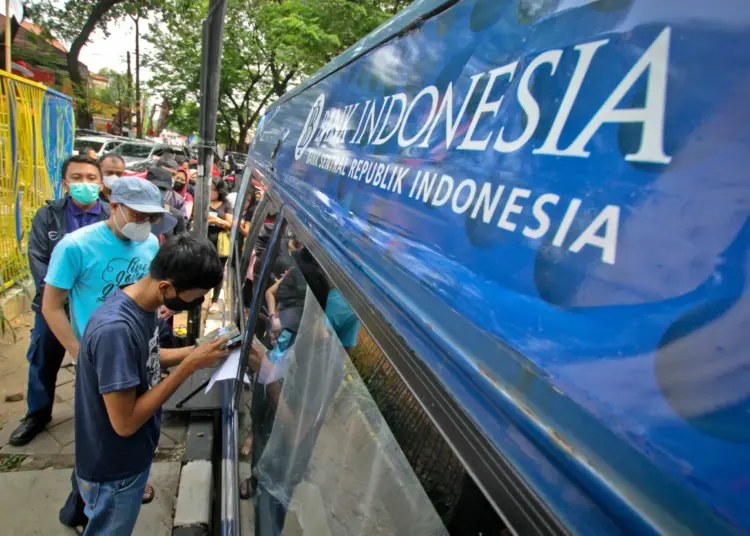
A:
25,183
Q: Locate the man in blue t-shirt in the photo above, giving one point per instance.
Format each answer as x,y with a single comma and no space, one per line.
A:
89,264
118,394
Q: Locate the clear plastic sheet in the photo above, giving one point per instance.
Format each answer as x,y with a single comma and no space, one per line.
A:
328,463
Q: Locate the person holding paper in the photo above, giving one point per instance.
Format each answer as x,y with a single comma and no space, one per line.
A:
118,393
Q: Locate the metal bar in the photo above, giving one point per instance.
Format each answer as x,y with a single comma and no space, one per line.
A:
213,32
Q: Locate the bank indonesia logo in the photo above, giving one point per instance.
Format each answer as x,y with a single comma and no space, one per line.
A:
311,126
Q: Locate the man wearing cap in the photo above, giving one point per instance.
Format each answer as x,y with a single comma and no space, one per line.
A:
88,265
175,204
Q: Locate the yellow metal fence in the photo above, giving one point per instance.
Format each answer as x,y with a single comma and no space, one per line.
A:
36,134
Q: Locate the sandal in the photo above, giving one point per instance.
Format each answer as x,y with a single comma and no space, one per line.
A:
148,494
247,447
245,492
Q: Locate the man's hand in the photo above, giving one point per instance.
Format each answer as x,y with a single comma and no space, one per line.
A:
207,354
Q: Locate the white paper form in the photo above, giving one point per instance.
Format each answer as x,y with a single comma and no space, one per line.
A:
228,370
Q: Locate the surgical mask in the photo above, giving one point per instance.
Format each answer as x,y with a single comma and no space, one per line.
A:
84,192
109,180
179,305
137,232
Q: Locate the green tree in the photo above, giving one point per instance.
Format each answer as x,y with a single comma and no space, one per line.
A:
268,46
117,90
73,22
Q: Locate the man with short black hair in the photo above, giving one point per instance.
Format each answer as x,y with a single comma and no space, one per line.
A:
79,207
118,393
113,167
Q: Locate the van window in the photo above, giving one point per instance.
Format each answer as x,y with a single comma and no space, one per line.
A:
334,442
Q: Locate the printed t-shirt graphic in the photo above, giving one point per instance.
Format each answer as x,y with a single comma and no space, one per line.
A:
92,263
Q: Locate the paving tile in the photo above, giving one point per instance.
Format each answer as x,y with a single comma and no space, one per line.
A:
69,449
30,502
165,442
64,376
42,444
61,412
65,392
6,430
64,433
175,426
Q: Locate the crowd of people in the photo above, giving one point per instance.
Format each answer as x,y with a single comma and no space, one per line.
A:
111,261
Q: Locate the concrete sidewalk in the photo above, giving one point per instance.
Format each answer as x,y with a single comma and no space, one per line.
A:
30,501
35,478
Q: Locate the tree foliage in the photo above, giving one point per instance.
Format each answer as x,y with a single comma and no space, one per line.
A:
268,46
73,22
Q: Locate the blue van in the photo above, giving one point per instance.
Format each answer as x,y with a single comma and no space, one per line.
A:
491,267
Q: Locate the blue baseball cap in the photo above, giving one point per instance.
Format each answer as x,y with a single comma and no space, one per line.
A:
137,194
144,197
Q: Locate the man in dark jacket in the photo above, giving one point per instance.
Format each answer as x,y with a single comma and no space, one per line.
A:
79,207
162,179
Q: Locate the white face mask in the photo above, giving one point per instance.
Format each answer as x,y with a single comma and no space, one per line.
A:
137,232
109,180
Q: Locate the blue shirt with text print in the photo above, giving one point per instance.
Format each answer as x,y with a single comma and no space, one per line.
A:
91,263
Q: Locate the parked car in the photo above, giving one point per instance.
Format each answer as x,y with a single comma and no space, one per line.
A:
101,144
137,152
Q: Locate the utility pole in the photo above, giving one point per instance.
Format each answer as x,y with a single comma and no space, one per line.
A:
130,92
138,111
213,33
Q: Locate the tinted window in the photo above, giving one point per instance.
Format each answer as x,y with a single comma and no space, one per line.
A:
82,144
133,149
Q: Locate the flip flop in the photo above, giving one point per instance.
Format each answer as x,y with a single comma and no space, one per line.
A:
245,489
149,494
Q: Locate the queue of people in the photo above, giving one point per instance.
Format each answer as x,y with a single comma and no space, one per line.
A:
104,258
109,259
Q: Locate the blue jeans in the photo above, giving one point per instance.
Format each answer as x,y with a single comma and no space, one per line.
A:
45,356
112,507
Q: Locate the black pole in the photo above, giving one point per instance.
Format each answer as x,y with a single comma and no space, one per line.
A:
213,33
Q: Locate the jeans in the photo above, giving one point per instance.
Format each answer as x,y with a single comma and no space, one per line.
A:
45,356
72,513
112,507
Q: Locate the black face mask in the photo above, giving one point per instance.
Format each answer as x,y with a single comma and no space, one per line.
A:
179,305
178,186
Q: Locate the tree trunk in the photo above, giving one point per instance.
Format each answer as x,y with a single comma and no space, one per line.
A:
138,111
83,115
162,116
151,118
